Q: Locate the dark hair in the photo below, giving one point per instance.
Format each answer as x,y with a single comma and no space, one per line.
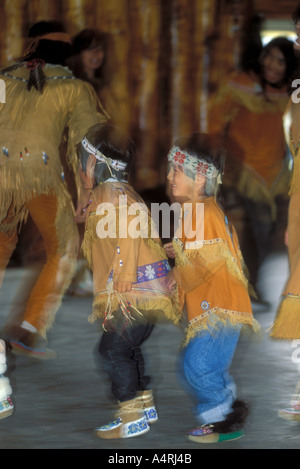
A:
53,52
88,39
296,14
113,143
287,49
45,27
251,45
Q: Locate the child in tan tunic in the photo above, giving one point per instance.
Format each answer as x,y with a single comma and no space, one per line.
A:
129,268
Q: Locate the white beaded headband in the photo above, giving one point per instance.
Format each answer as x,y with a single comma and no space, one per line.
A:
116,164
196,165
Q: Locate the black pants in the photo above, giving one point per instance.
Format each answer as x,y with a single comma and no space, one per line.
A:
124,361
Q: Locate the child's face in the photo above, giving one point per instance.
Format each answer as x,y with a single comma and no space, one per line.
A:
181,186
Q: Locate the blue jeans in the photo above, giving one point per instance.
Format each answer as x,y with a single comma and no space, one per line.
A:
206,362
124,361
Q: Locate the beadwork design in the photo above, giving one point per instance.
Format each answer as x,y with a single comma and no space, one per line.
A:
151,414
5,151
203,430
136,427
205,305
111,425
45,157
6,404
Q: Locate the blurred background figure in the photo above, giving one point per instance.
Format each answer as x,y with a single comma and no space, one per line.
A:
247,114
89,63
87,60
43,99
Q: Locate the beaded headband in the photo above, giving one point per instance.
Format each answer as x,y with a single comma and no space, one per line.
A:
196,165
115,164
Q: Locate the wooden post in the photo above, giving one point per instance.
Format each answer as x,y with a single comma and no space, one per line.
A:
204,24
39,10
182,80
73,15
14,38
145,90
112,18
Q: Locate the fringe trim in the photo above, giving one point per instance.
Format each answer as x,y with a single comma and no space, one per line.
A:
15,192
253,186
216,317
144,301
208,251
287,322
295,187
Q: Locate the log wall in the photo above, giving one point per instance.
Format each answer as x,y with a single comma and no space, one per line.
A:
164,57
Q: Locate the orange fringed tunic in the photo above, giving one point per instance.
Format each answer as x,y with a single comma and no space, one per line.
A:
287,322
250,122
122,255
209,270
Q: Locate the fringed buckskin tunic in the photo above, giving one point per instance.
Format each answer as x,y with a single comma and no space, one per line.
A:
287,321
124,256
31,130
209,271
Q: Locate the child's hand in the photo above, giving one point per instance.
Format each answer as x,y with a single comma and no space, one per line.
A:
82,205
80,214
122,286
169,250
171,281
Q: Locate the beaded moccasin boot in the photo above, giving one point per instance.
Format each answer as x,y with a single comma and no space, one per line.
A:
229,429
131,421
149,406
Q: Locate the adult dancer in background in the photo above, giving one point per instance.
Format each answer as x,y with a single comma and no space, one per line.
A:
43,98
247,113
287,324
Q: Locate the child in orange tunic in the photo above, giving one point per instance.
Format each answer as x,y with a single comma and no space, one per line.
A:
211,282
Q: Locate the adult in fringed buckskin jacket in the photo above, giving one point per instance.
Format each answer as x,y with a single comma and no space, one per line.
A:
42,100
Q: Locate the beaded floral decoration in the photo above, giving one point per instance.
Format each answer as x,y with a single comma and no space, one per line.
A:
196,165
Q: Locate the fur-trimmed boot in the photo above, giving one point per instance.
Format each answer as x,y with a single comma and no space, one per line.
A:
149,406
131,421
229,429
6,405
